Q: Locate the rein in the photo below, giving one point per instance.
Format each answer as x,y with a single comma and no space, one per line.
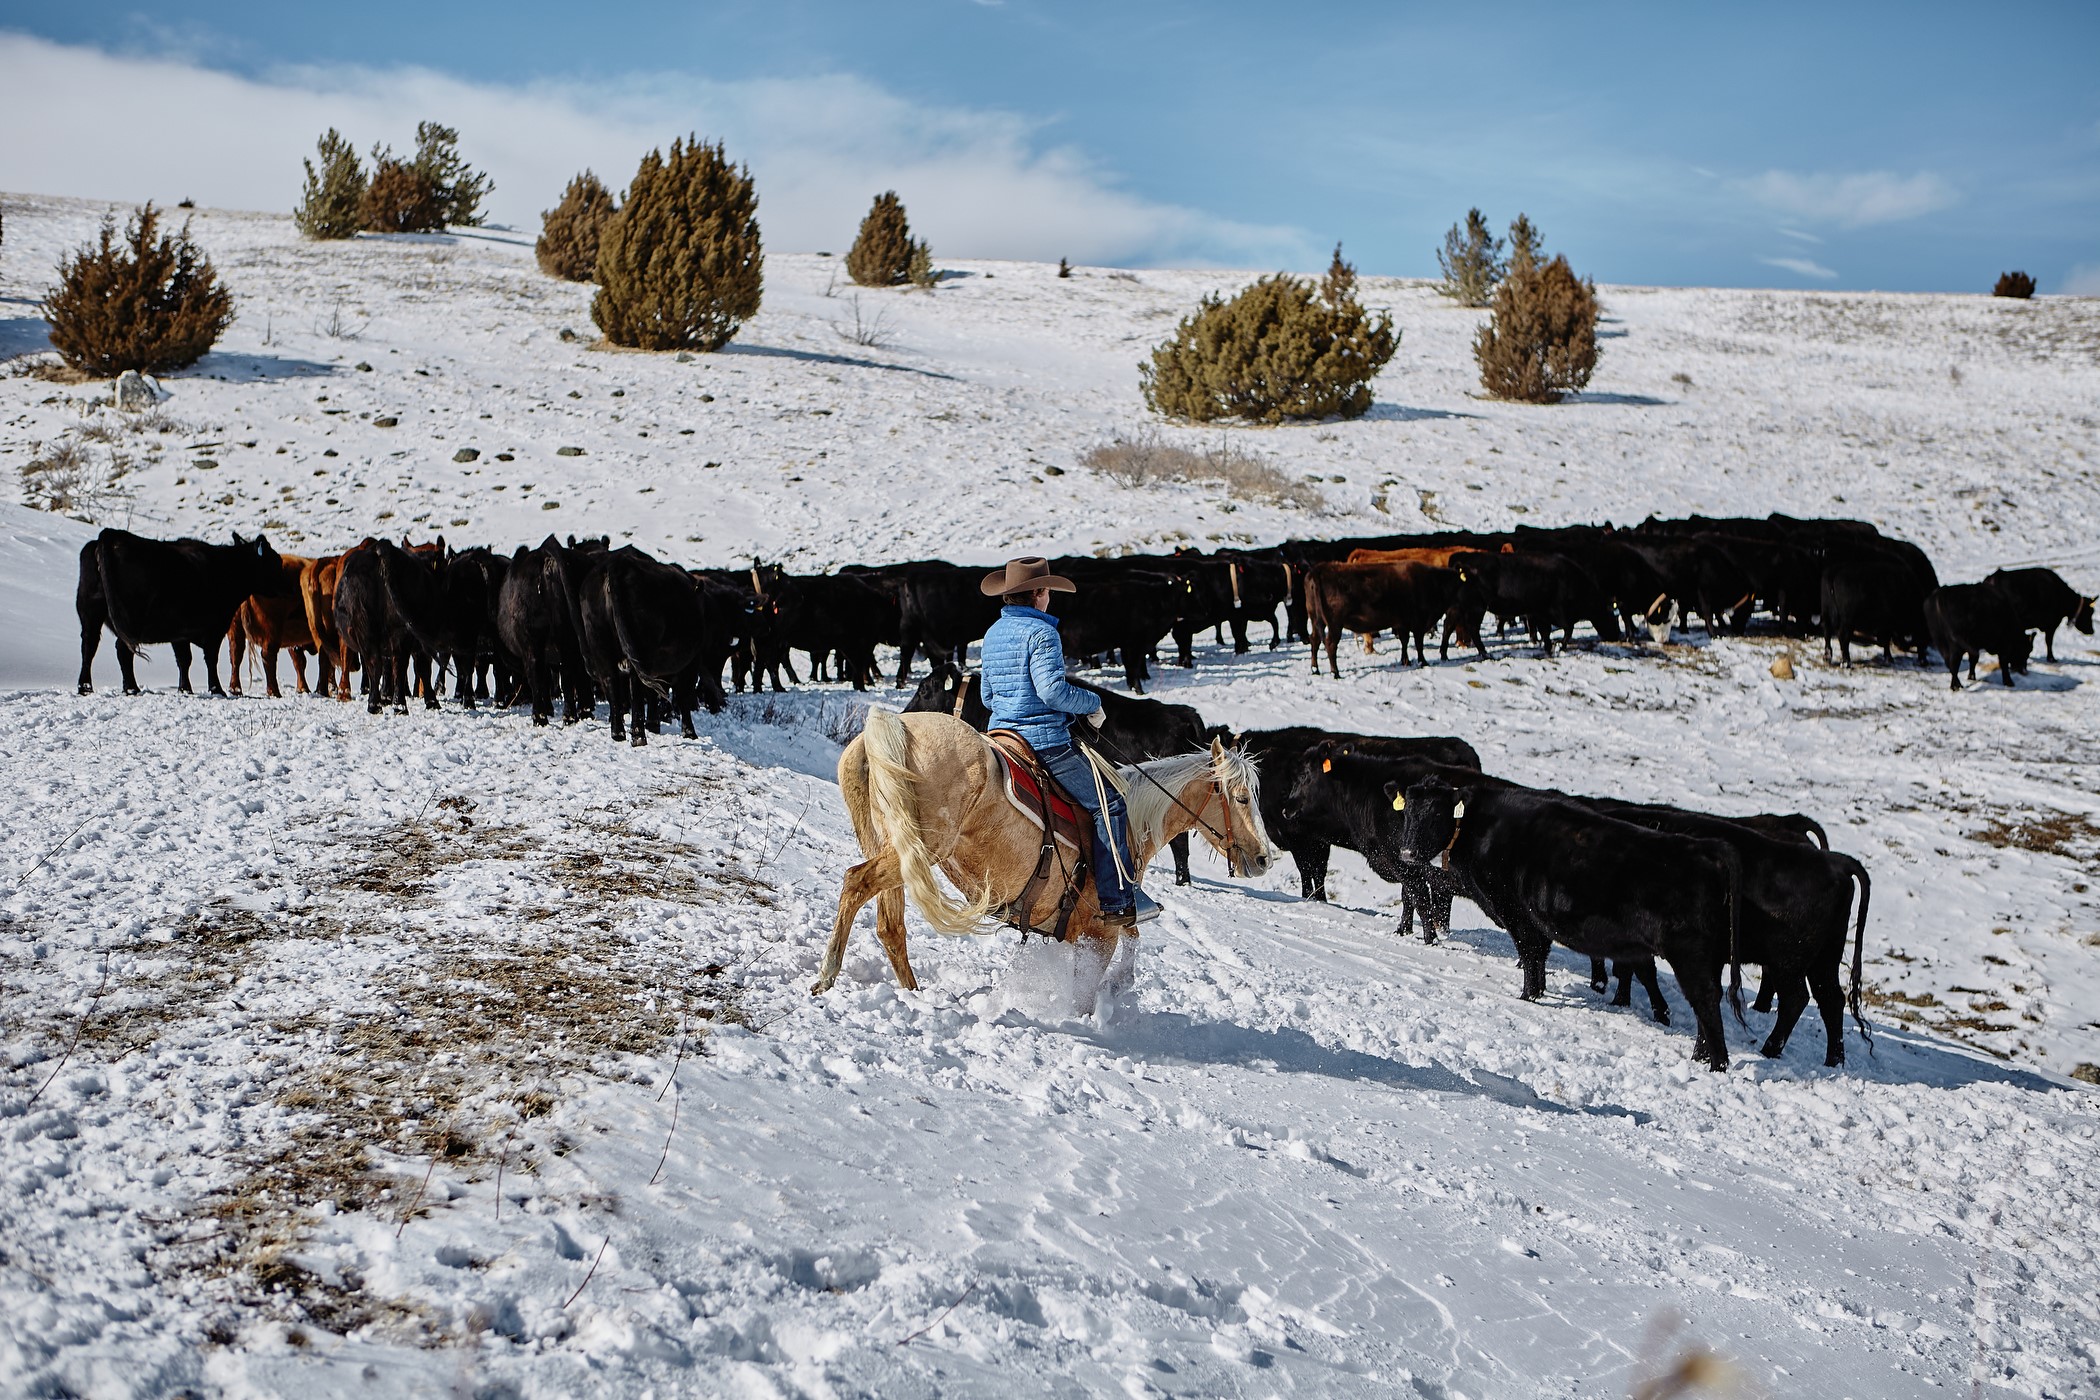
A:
1193,815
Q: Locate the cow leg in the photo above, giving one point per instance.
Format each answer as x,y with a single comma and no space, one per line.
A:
2049,641
182,667
1531,957
1644,972
1239,635
269,660
642,711
1600,976
432,686
1311,861
236,652
211,666
299,669
1407,909
1704,992
616,709
1134,670
92,616
1436,917
1184,647
1830,1001
1624,996
125,655
1180,847
1334,637
1793,1000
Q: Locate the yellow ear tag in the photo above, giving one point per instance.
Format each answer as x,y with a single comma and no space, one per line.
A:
1399,801
1326,765
1458,811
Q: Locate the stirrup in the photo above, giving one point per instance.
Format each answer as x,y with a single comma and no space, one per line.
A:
1146,910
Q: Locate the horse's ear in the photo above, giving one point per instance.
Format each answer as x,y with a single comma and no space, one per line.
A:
1217,749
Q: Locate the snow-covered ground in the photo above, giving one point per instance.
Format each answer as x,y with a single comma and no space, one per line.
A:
332,977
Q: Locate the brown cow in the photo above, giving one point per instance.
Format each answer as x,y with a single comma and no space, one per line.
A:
1410,598
317,583
272,623
1437,555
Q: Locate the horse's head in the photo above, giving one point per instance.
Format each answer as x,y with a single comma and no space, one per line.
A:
1232,812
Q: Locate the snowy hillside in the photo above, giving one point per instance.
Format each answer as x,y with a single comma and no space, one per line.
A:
290,989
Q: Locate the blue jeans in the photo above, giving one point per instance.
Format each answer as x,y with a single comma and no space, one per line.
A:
1069,766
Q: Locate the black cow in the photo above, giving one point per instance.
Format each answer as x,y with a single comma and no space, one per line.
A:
2041,600
473,586
1882,600
181,591
1280,755
643,628
1796,899
846,615
1967,619
389,608
533,622
1695,577
1549,591
940,610
1132,729
728,616
1259,583
1127,615
1548,869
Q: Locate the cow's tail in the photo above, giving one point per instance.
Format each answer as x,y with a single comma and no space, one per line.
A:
1856,993
1810,827
893,811
1734,868
616,603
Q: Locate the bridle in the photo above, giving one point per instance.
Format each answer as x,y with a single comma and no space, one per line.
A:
1217,787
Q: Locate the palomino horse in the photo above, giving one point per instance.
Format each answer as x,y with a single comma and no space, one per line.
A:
927,792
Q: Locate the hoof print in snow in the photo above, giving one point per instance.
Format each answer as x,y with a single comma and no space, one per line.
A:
550,505
467,454
568,452
388,422
363,367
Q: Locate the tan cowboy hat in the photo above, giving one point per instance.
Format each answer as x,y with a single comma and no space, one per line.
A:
1025,576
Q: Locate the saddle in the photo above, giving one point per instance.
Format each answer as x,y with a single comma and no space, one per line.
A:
1064,824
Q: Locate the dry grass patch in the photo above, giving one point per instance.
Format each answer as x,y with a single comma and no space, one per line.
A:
1149,460
457,1050
2071,835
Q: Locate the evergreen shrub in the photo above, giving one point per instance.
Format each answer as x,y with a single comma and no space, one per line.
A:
1540,342
1471,262
152,303
2014,284
332,204
1281,349
401,198
681,266
883,252
568,243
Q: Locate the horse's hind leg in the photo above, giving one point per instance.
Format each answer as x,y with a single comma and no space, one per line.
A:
876,877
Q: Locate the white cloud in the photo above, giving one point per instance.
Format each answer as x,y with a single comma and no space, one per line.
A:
1853,201
977,183
1800,234
2082,281
1805,267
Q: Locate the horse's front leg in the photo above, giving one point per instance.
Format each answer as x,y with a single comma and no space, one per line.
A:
875,878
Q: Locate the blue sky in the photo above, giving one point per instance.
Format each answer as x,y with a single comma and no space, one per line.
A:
1917,146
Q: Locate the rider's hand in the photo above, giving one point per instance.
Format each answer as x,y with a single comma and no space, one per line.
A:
1097,717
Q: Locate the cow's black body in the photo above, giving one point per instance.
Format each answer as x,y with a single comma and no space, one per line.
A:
1965,620
1411,599
180,591
1549,869
643,627
2043,601
1881,599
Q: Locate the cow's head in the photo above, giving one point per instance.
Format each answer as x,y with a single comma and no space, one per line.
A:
1429,816
2015,660
2082,616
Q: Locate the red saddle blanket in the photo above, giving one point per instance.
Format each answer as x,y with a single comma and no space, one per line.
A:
1025,792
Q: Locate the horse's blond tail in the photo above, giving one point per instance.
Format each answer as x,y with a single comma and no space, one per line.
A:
893,811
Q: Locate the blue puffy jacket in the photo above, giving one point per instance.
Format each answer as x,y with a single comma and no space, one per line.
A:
1023,669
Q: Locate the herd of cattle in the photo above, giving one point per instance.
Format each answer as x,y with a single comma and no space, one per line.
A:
583,621
1626,882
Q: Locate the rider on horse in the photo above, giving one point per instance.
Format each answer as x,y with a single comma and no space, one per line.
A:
1024,685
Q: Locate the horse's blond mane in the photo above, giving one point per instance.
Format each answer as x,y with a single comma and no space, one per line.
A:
1149,807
